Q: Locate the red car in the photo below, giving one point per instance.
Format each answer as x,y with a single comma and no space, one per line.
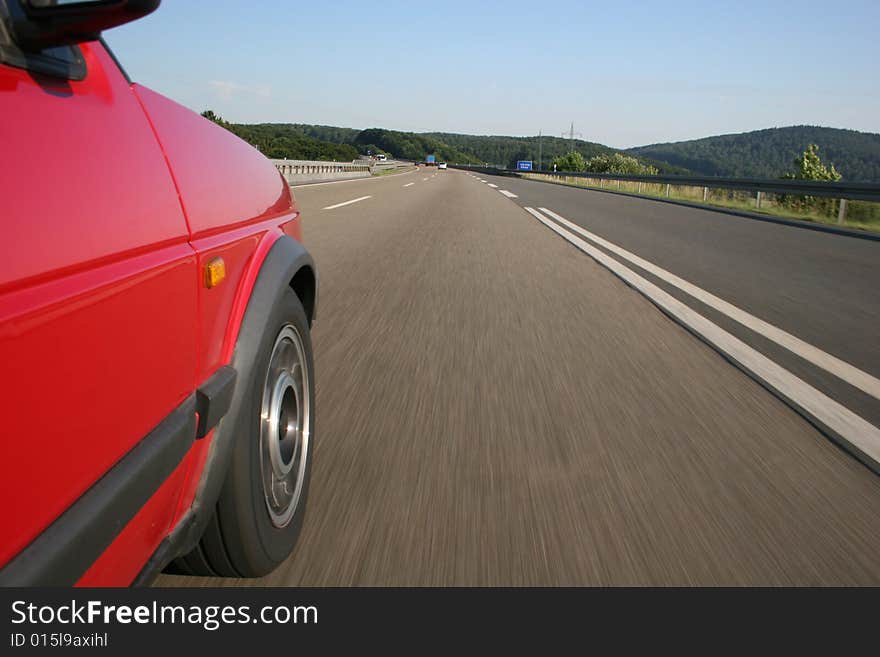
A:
155,307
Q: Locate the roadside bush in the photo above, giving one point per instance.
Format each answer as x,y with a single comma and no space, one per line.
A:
809,166
620,164
569,162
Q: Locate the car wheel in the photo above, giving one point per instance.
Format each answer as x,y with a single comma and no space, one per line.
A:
261,507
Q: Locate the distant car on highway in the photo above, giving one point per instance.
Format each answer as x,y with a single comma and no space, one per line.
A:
155,313
442,165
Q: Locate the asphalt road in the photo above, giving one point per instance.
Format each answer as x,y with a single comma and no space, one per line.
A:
823,288
494,407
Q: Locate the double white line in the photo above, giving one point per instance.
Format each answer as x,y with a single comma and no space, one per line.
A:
835,418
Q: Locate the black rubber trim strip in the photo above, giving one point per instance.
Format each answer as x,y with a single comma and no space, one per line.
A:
65,551
213,399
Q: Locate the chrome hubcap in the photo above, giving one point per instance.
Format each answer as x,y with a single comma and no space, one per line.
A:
284,430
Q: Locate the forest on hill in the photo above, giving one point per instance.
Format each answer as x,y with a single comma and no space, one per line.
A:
292,141
506,151
770,153
300,141
759,154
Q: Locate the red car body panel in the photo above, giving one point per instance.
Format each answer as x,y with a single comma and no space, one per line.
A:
208,162
114,200
222,180
98,247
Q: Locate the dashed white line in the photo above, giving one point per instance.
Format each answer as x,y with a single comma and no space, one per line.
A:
508,194
423,179
839,368
354,200
408,184
836,418
493,186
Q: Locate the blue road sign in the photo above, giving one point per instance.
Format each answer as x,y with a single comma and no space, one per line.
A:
523,165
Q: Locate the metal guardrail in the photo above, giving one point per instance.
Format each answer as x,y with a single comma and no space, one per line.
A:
837,190
299,167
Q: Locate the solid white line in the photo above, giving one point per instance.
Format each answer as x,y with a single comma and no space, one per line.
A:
354,200
408,184
493,186
508,194
834,416
839,368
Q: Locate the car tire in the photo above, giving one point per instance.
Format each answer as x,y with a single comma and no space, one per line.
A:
259,514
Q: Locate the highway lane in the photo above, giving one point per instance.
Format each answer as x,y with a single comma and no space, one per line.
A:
822,288
494,407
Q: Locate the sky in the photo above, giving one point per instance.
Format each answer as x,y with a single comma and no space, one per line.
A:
625,73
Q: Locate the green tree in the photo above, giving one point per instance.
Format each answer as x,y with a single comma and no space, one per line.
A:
809,166
209,114
569,162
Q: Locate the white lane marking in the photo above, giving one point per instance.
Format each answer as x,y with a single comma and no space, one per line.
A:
842,422
839,368
481,180
408,184
354,200
508,194
424,179
493,186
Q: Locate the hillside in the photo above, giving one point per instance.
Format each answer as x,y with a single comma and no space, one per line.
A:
332,134
505,151
409,146
770,153
295,142
454,147
321,142
760,154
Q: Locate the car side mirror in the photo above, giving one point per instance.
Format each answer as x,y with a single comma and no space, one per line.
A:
35,25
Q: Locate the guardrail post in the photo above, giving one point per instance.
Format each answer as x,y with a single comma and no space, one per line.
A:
667,190
618,185
841,213
640,187
758,200
705,194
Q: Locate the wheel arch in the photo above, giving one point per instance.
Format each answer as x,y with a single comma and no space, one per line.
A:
305,285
